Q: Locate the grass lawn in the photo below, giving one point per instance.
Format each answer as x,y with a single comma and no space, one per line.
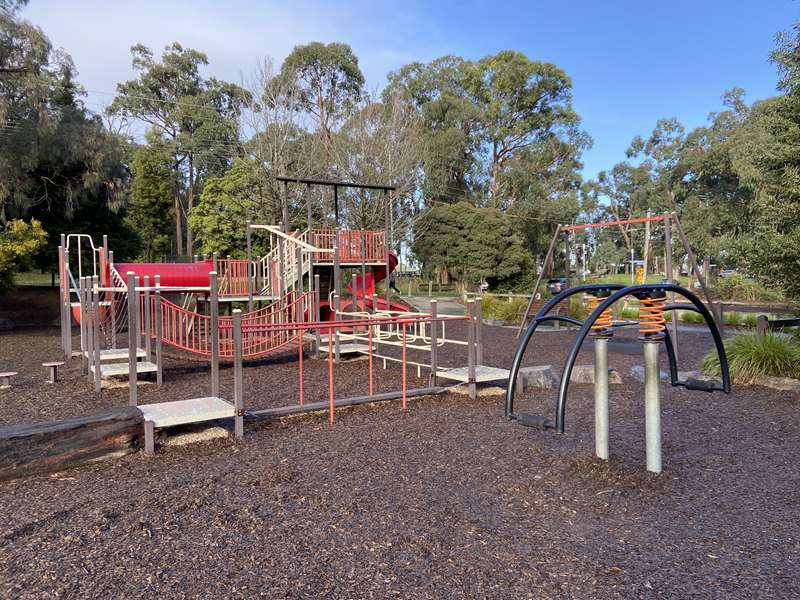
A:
34,278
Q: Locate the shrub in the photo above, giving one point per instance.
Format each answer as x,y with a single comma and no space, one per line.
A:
689,316
732,319
502,309
739,287
751,356
750,320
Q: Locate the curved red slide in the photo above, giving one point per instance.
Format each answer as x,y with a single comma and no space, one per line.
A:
378,273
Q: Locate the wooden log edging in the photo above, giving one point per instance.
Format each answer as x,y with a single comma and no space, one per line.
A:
31,449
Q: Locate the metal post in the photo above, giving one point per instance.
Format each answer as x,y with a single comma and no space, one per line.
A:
148,333
567,259
363,270
62,306
159,332
387,244
317,314
96,334
668,268
479,331
65,299
434,336
238,396
652,406
249,267
133,339
601,396
214,334
336,308
336,207
88,324
473,391
548,257
82,317
646,248
762,325
299,263
430,288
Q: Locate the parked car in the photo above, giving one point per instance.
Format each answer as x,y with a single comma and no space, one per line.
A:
557,285
727,272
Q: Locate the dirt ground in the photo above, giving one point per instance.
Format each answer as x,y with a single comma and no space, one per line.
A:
445,500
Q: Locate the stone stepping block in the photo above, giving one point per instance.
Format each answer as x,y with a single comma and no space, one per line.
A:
541,376
585,374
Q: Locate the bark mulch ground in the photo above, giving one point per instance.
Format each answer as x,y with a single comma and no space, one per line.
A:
445,500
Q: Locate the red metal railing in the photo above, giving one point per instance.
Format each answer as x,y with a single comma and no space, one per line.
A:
191,331
350,243
233,274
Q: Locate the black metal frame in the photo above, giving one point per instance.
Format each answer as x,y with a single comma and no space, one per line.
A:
585,328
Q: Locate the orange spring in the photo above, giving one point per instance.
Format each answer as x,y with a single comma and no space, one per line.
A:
651,315
605,320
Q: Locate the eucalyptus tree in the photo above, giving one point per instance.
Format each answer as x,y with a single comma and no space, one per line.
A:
329,82
198,116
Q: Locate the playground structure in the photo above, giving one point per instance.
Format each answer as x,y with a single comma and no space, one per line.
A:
600,326
296,302
668,220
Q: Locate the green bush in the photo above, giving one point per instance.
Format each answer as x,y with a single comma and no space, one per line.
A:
732,319
739,287
689,316
503,309
751,356
750,320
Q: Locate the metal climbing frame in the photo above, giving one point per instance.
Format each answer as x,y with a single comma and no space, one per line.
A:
618,292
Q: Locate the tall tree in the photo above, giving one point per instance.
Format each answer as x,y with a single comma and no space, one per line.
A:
197,116
150,207
329,81
525,108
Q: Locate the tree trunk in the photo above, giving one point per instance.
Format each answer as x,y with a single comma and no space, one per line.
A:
190,205
178,228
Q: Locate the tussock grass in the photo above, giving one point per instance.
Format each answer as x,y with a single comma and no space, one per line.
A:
751,356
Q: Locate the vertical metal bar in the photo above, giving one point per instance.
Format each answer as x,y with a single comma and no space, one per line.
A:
646,248
308,206
82,315
238,388
363,271
479,330
330,378
473,391
337,308
61,305
299,264
403,325
133,339
112,306
250,274
88,324
214,334
96,334
317,315
387,244
434,338
148,333
601,396
336,207
159,332
652,407
548,257
668,269
65,299
371,387
568,259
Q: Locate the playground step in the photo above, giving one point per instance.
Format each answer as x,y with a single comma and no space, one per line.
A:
181,412
120,369
482,374
102,303
346,348
113,354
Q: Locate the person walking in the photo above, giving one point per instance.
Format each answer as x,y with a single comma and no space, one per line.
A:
393,283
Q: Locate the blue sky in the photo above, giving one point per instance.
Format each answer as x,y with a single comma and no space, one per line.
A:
631,62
